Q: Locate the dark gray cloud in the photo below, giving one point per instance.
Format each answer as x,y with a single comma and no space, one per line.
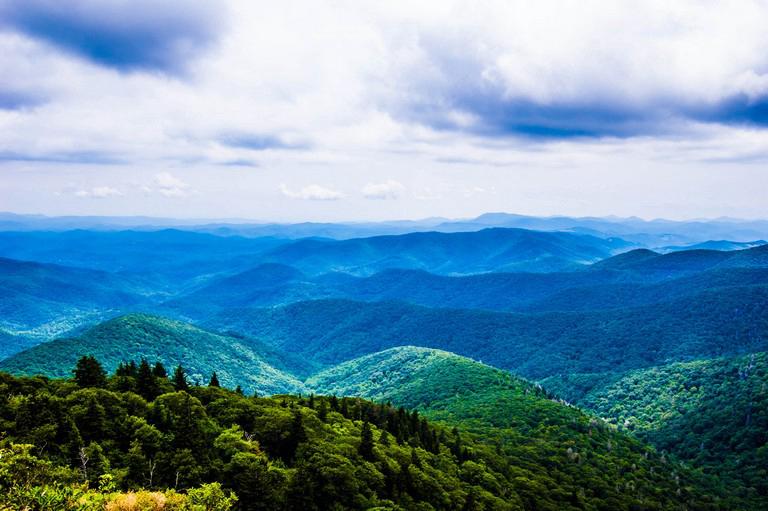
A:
458,88
149,35
494,115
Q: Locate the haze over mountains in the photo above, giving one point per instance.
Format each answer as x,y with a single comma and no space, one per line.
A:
465,326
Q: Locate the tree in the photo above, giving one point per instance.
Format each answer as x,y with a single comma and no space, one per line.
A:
296,435
146,385
322,410
158,371
89,372
180,379
214,380
366,442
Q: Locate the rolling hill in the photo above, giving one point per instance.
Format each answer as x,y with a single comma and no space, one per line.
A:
448,253
41,300
170,342
168,260
635,278
535,345
686,260
539,435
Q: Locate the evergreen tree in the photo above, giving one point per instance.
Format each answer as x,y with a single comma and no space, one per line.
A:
322,410
179,379
239,390
158,371
366,442
214,380
146,385
297,435
89,372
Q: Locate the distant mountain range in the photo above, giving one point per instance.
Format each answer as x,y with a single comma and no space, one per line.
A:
657,233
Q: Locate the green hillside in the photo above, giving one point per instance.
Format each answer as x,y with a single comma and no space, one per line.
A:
535,345
328,453
548,442
710,413
236,361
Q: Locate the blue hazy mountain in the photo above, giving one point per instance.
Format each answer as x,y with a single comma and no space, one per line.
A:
171,259
657,233
638,277
716,245
38,301
448,253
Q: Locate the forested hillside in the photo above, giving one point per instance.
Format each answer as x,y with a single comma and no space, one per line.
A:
306,453
539,345
171,342
39,301
712,414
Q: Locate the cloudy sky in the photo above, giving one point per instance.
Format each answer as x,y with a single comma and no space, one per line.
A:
356,110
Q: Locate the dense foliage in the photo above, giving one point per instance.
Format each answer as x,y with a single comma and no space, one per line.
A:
710,413
273,453
557,445
327,332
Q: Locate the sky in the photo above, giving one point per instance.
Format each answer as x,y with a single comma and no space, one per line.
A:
369,110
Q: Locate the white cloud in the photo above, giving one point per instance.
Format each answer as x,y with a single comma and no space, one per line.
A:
367,89
312,192
390,189
98,192
170,186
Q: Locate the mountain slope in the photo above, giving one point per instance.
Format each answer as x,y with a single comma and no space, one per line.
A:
167,259
472,252
710,413
686,260
160,339
40,300
327,332
568,452
635,278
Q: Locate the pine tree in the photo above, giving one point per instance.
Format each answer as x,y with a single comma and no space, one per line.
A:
214,380
296,435
159,370
322,410
146,385
366,442
180,379
239,390
89,372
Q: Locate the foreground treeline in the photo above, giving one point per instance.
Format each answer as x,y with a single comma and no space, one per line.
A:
143,439
271,453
